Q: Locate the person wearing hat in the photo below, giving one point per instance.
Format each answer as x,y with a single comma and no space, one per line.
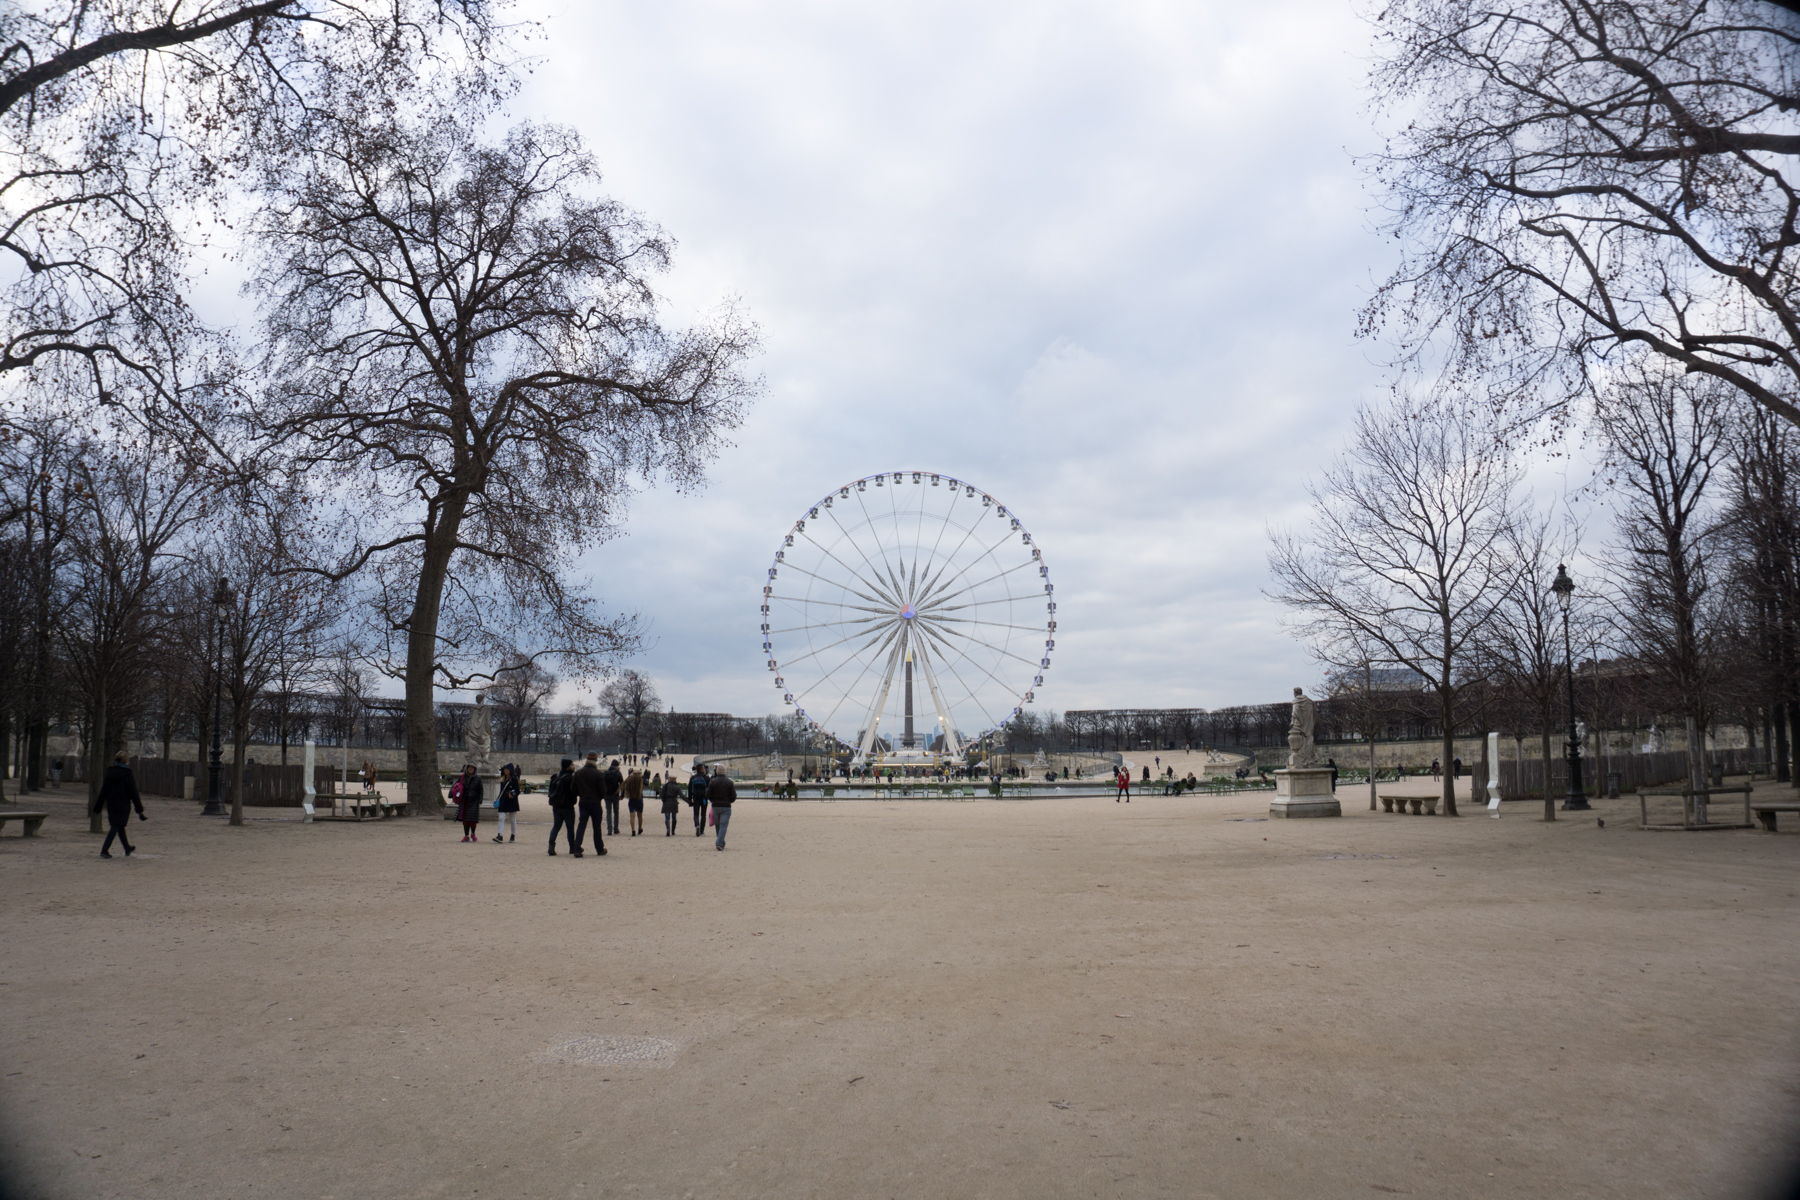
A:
562,806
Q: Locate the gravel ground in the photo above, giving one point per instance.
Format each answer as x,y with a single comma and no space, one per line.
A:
1064,997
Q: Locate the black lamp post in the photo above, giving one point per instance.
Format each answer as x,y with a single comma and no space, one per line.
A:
1564,587
221,601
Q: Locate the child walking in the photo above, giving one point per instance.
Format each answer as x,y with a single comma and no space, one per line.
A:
506,804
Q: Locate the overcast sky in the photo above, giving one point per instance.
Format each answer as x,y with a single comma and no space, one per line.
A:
1101,259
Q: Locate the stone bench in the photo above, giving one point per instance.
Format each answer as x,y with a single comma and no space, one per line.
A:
1421,805
1765,811
32,820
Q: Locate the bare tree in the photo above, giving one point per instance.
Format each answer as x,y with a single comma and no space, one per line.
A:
467,339
1761,531
123,126
276,616
1577,177
1407,555
1526,644
518,693
628,700
1666,436
134,507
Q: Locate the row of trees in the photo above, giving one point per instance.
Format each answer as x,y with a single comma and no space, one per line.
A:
1425,553
459,367
1597,217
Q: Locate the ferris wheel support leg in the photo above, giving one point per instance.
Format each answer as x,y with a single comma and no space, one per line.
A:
951,745
887,680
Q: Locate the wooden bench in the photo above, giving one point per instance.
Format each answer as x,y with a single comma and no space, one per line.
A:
1765,811
32,820
1421,805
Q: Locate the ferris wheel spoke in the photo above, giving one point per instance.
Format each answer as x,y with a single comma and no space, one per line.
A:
831,582
852,657
976,621
848,570
934,601
968,691
824,625
794,662
990,602
832,604
986,645
963,652
874,573
869,521
950,559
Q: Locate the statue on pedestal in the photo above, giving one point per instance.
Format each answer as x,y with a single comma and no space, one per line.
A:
478,734
1301,751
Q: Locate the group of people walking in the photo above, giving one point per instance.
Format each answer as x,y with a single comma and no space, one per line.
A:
592,795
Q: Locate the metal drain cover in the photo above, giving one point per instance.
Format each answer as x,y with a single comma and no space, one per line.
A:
610,1051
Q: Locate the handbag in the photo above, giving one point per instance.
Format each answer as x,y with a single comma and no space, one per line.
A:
713,818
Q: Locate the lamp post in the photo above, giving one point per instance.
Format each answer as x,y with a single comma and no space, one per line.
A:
1564,587
221,601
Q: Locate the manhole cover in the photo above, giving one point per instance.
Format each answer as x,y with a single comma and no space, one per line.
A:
609,1051
1247,820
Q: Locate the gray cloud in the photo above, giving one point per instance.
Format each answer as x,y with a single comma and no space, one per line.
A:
1101,259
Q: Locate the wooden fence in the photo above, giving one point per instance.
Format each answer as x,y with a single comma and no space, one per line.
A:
1524,780
268,785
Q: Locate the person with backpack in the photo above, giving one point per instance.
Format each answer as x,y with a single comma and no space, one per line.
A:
506,804
722,793
671,804
589,784
466,791
697,795
562,807
612,787
118,796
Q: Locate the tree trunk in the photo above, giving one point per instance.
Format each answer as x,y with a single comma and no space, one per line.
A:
240,740
1781,742
424,794
37,742
1447,713
96,756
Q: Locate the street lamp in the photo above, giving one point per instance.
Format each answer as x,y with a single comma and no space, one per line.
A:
1564,587
221,601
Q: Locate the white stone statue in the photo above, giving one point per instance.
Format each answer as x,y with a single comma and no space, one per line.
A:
1038,760
1301,751
776,761
478,734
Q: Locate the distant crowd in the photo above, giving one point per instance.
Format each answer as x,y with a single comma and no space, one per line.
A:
590,797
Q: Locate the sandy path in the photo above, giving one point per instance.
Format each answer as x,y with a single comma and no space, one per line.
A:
1005,999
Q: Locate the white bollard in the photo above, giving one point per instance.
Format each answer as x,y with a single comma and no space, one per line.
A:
306,797
1494,775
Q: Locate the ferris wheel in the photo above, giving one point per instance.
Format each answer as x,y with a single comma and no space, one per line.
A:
908,614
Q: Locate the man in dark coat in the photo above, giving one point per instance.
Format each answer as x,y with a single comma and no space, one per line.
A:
723,793
615,786
562,806
590,787
118,795
697,785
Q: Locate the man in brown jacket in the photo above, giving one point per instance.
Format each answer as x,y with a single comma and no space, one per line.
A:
590,792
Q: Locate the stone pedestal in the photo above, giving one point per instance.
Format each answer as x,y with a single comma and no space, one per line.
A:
1304,792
